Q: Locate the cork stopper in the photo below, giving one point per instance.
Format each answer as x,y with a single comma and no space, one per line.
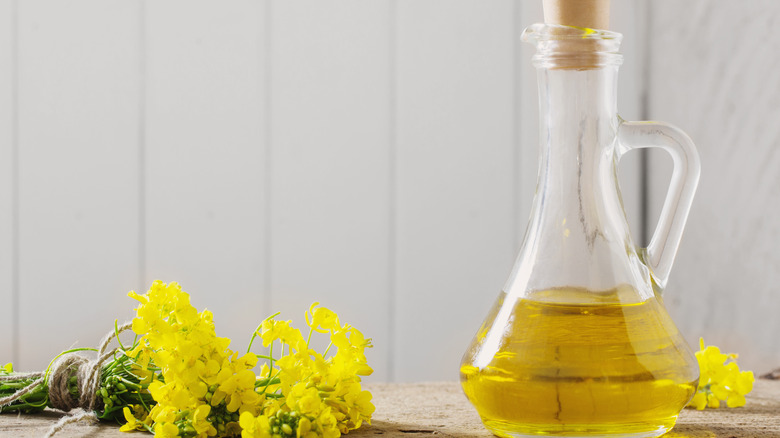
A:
583,52
593,14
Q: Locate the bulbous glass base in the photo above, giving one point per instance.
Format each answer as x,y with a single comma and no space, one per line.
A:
571,369
613,430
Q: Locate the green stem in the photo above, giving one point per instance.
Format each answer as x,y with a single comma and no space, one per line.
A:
326,350
267,382
254,334
272,360
275,379
311,330
130,384
116,334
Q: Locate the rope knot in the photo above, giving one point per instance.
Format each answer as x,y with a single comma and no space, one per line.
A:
67,366
62,371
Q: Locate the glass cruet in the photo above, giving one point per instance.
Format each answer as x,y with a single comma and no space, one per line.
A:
579,342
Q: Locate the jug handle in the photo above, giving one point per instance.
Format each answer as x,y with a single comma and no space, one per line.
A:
660,252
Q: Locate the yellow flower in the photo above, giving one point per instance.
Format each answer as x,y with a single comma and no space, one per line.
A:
195,379
254,427
200,421
132,422
166,430
321,319
699,400
361,401
236,388
172,394
304,400
196,368
735,400
272,330
351,354
304,428
161,413
744,383
328,425
720,380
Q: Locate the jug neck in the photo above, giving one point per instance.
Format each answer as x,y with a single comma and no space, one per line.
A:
577,71
577,185
578,237
578,118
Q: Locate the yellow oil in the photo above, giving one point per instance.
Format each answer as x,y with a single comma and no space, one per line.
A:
562,363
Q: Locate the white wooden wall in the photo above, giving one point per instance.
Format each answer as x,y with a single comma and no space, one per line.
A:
714,72
8,296
378,156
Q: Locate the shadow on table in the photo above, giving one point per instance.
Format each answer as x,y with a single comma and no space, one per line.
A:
390,429
755,430
394,429
689,431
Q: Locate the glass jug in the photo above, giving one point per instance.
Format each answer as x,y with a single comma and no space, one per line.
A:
579,342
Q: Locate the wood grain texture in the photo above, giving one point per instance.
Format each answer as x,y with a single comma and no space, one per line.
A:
440,409
205,152
455,130
7,185
330,139
714,73
77,170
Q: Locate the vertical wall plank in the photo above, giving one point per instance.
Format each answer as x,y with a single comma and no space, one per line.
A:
721,88
455,114
526,119
7,18
78,147
628,18
205,156
330,140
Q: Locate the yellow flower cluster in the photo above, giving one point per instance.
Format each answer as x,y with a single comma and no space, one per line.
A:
320,396
720,379
201,388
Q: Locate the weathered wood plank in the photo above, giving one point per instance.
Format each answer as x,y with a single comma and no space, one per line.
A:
441,410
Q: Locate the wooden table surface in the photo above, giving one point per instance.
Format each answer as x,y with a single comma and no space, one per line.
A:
440,409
